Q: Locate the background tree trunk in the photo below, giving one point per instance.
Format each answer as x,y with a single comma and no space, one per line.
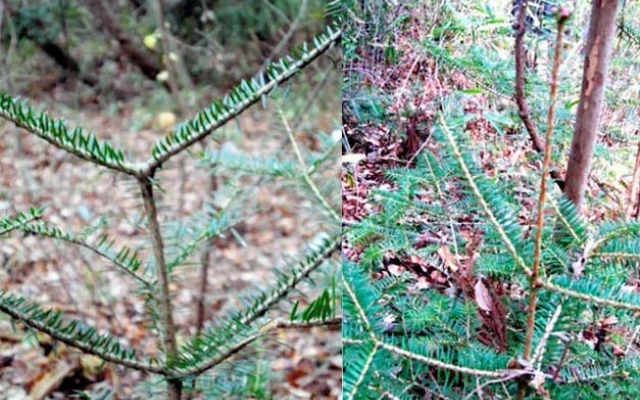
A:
148,63
596,64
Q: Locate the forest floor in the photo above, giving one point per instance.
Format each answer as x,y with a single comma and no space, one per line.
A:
409,89
305,365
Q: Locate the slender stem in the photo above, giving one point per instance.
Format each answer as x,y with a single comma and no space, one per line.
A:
632,197
520,96
168,327
49,232
363,372
305,171
285,39
542,346
535,272
450,367
204,269
174,88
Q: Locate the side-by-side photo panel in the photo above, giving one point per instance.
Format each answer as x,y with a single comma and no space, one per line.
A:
170,220
490,188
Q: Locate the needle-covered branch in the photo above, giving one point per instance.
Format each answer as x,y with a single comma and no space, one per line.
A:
590,292
240,98
125,259
72,140
20,221
200,350
234,349
74,334
546,166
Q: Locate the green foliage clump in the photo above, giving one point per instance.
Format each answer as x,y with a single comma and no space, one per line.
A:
443,340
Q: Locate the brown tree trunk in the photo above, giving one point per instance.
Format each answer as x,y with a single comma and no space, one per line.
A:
148,63
596,65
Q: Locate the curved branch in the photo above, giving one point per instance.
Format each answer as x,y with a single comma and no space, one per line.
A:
56,233
236,348
520,96
9,224
71,341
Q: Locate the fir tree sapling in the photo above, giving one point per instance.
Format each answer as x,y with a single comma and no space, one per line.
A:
227,336
543,309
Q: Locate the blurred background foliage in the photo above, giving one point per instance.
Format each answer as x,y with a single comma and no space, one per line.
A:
85,44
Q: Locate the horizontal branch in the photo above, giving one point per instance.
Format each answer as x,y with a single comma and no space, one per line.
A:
404,353
286,324
440,364
272,326
615,254
50,323
587,297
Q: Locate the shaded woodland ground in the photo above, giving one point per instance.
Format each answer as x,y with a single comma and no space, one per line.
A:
104,65
432,285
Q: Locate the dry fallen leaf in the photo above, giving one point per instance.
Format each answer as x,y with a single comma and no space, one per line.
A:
448,258
395,269
50,381
483,299
352,158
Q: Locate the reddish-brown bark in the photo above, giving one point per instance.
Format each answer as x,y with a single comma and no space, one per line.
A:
596,65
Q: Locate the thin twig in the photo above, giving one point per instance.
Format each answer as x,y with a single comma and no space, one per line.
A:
285,39
204,271
521,99
451,367
95,250
632,198
533,295
515,375
174,89
305,171
542,346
